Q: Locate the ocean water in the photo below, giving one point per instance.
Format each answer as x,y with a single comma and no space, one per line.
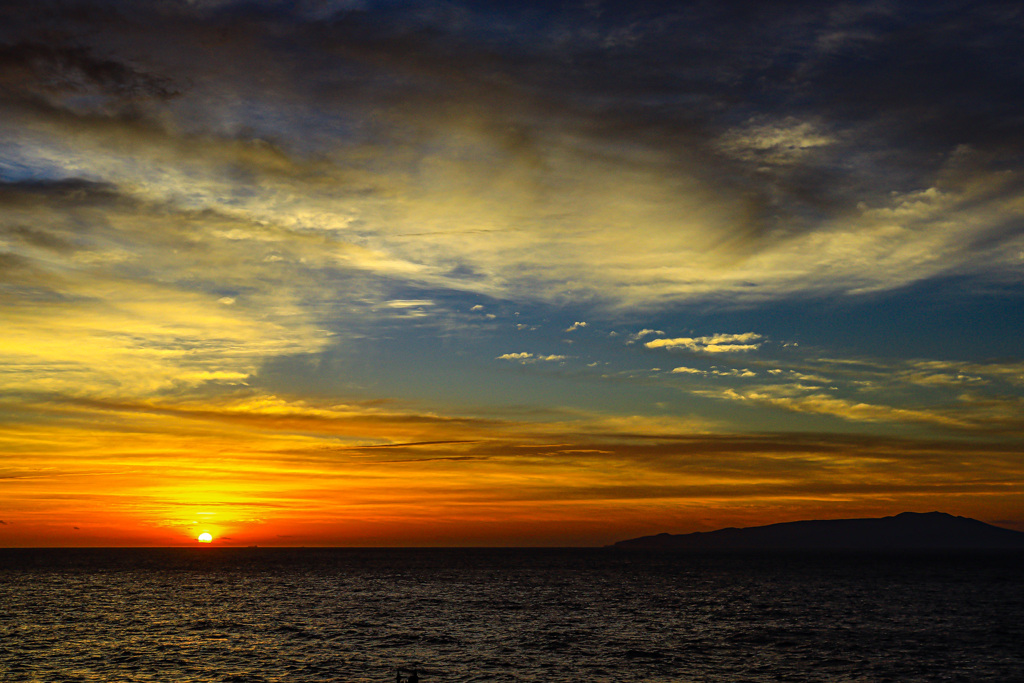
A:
298,616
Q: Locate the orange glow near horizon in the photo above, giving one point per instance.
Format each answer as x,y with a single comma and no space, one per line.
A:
451,483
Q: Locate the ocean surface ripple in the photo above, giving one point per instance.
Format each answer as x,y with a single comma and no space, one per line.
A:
355,615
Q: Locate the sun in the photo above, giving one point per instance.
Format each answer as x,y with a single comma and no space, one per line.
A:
205,537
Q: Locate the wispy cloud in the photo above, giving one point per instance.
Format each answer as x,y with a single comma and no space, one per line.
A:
825,404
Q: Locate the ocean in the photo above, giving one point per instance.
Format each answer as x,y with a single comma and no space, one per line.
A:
261,615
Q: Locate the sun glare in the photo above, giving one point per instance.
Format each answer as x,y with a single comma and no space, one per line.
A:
205,537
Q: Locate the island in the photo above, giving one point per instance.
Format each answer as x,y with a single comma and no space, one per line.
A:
905,531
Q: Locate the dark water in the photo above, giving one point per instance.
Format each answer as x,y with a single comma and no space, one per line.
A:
256,615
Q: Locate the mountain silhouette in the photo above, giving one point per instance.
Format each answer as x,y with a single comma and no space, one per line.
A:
905,531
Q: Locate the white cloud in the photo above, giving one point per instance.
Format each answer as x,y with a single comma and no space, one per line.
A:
716,371
716,343
575,326
734,372
644,332
408,303
521,356
524,357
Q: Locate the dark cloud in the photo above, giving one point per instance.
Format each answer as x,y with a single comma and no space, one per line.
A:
898,86
939,76
12,262
57,73
76,191
647,68
792,114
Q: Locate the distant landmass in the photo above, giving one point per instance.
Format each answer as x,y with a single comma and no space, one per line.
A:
905,531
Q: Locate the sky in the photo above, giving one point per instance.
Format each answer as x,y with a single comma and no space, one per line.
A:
386,273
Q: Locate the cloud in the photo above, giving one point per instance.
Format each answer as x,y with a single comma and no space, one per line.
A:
521,355
633,338
575,326
782,142
886,375
524,357
716,343
408,303
76,78
716,371
855,411
398,143
735,372
963,413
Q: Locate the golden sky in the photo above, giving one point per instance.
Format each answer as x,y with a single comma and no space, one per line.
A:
374,274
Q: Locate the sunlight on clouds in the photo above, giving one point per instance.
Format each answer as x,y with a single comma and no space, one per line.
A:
450,175
783,142
519,355
716,343
264,464
908,238
523,357
950,395
561,218
138,341
782,397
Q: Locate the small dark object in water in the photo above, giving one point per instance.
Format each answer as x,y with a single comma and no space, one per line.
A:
414,677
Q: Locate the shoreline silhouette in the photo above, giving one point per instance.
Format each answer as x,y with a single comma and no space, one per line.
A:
905,531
